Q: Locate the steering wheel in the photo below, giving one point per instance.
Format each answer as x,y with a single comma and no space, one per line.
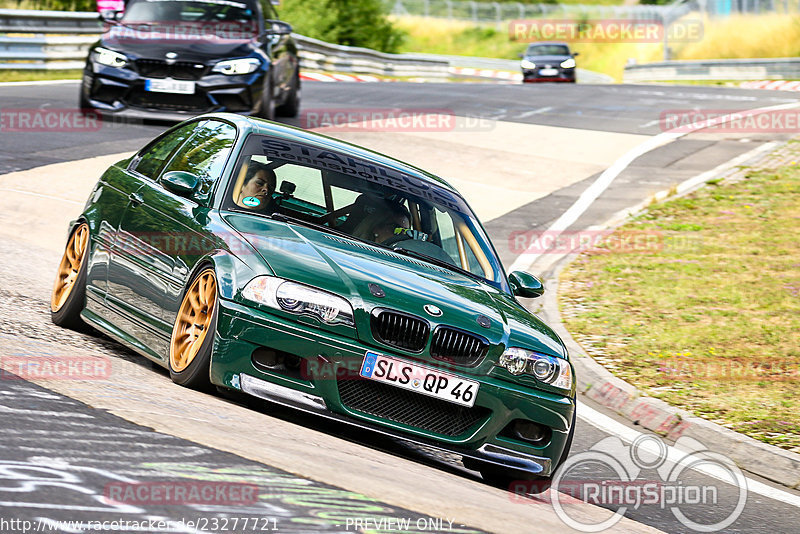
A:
396,239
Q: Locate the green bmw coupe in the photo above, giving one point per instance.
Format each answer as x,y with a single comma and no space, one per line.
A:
256,257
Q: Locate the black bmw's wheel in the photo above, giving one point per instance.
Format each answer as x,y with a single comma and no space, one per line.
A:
193,334
291,107
267,110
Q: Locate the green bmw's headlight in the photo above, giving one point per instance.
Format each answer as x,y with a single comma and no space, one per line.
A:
107,57
299,299
547,369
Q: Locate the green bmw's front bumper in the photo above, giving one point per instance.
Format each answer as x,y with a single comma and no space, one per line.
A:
241,330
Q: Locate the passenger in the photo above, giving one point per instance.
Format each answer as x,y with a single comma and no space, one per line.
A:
397,216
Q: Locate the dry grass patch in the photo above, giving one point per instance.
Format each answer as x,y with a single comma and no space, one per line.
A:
711,321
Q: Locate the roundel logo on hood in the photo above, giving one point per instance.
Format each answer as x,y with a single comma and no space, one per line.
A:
430,309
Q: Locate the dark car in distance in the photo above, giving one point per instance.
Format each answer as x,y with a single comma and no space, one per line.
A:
177,59
548,62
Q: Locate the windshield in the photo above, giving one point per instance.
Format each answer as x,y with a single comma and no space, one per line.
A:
547,50
367,202
179,16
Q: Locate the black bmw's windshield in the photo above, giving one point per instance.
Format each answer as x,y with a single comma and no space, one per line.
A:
547,50
361,199
194,12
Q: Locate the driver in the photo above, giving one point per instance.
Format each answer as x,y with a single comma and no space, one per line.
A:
259,185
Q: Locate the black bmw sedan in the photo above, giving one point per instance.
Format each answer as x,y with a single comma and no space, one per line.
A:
548,62
175,59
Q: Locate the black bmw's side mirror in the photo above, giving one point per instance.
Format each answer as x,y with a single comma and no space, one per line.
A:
525,285
277,27
576,54
180,182
112,17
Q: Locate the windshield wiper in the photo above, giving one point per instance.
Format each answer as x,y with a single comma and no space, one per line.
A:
436,261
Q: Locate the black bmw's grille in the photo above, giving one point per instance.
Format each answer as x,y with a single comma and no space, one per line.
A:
180,70
168,101
458,347
409,408
400,330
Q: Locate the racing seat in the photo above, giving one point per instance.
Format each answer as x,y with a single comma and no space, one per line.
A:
364,206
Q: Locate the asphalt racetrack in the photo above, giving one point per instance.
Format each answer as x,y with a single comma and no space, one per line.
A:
521,155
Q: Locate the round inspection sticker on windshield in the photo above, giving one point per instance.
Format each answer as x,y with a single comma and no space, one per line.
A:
251,202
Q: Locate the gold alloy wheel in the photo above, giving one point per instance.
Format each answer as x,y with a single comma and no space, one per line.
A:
193,322
70,266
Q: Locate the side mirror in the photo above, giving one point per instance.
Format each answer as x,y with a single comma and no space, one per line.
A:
576,54
277,27
180,182
525,285
521,55
111,16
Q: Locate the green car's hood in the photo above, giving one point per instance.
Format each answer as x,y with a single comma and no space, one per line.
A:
347,267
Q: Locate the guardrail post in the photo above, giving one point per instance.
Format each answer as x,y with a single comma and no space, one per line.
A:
474,6
449,9
426,7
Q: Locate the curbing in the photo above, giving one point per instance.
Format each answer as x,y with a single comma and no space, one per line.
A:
595,382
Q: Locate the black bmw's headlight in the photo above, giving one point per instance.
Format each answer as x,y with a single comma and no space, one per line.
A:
233,67
546,369
299,299
109,58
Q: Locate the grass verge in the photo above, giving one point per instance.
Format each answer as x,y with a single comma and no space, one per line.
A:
737,36
707,319
38,75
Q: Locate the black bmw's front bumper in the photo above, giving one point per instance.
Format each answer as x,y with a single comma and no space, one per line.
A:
534,75
122,92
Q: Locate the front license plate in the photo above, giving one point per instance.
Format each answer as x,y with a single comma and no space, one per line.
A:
548,72
421,379
169,86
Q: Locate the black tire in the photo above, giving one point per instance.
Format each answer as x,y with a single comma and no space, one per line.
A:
196,375
69,314
83,104
291,107
267,108
507,479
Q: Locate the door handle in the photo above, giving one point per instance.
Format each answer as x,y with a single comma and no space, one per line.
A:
135,199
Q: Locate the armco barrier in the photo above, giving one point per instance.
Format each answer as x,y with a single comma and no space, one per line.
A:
36,40
715,70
